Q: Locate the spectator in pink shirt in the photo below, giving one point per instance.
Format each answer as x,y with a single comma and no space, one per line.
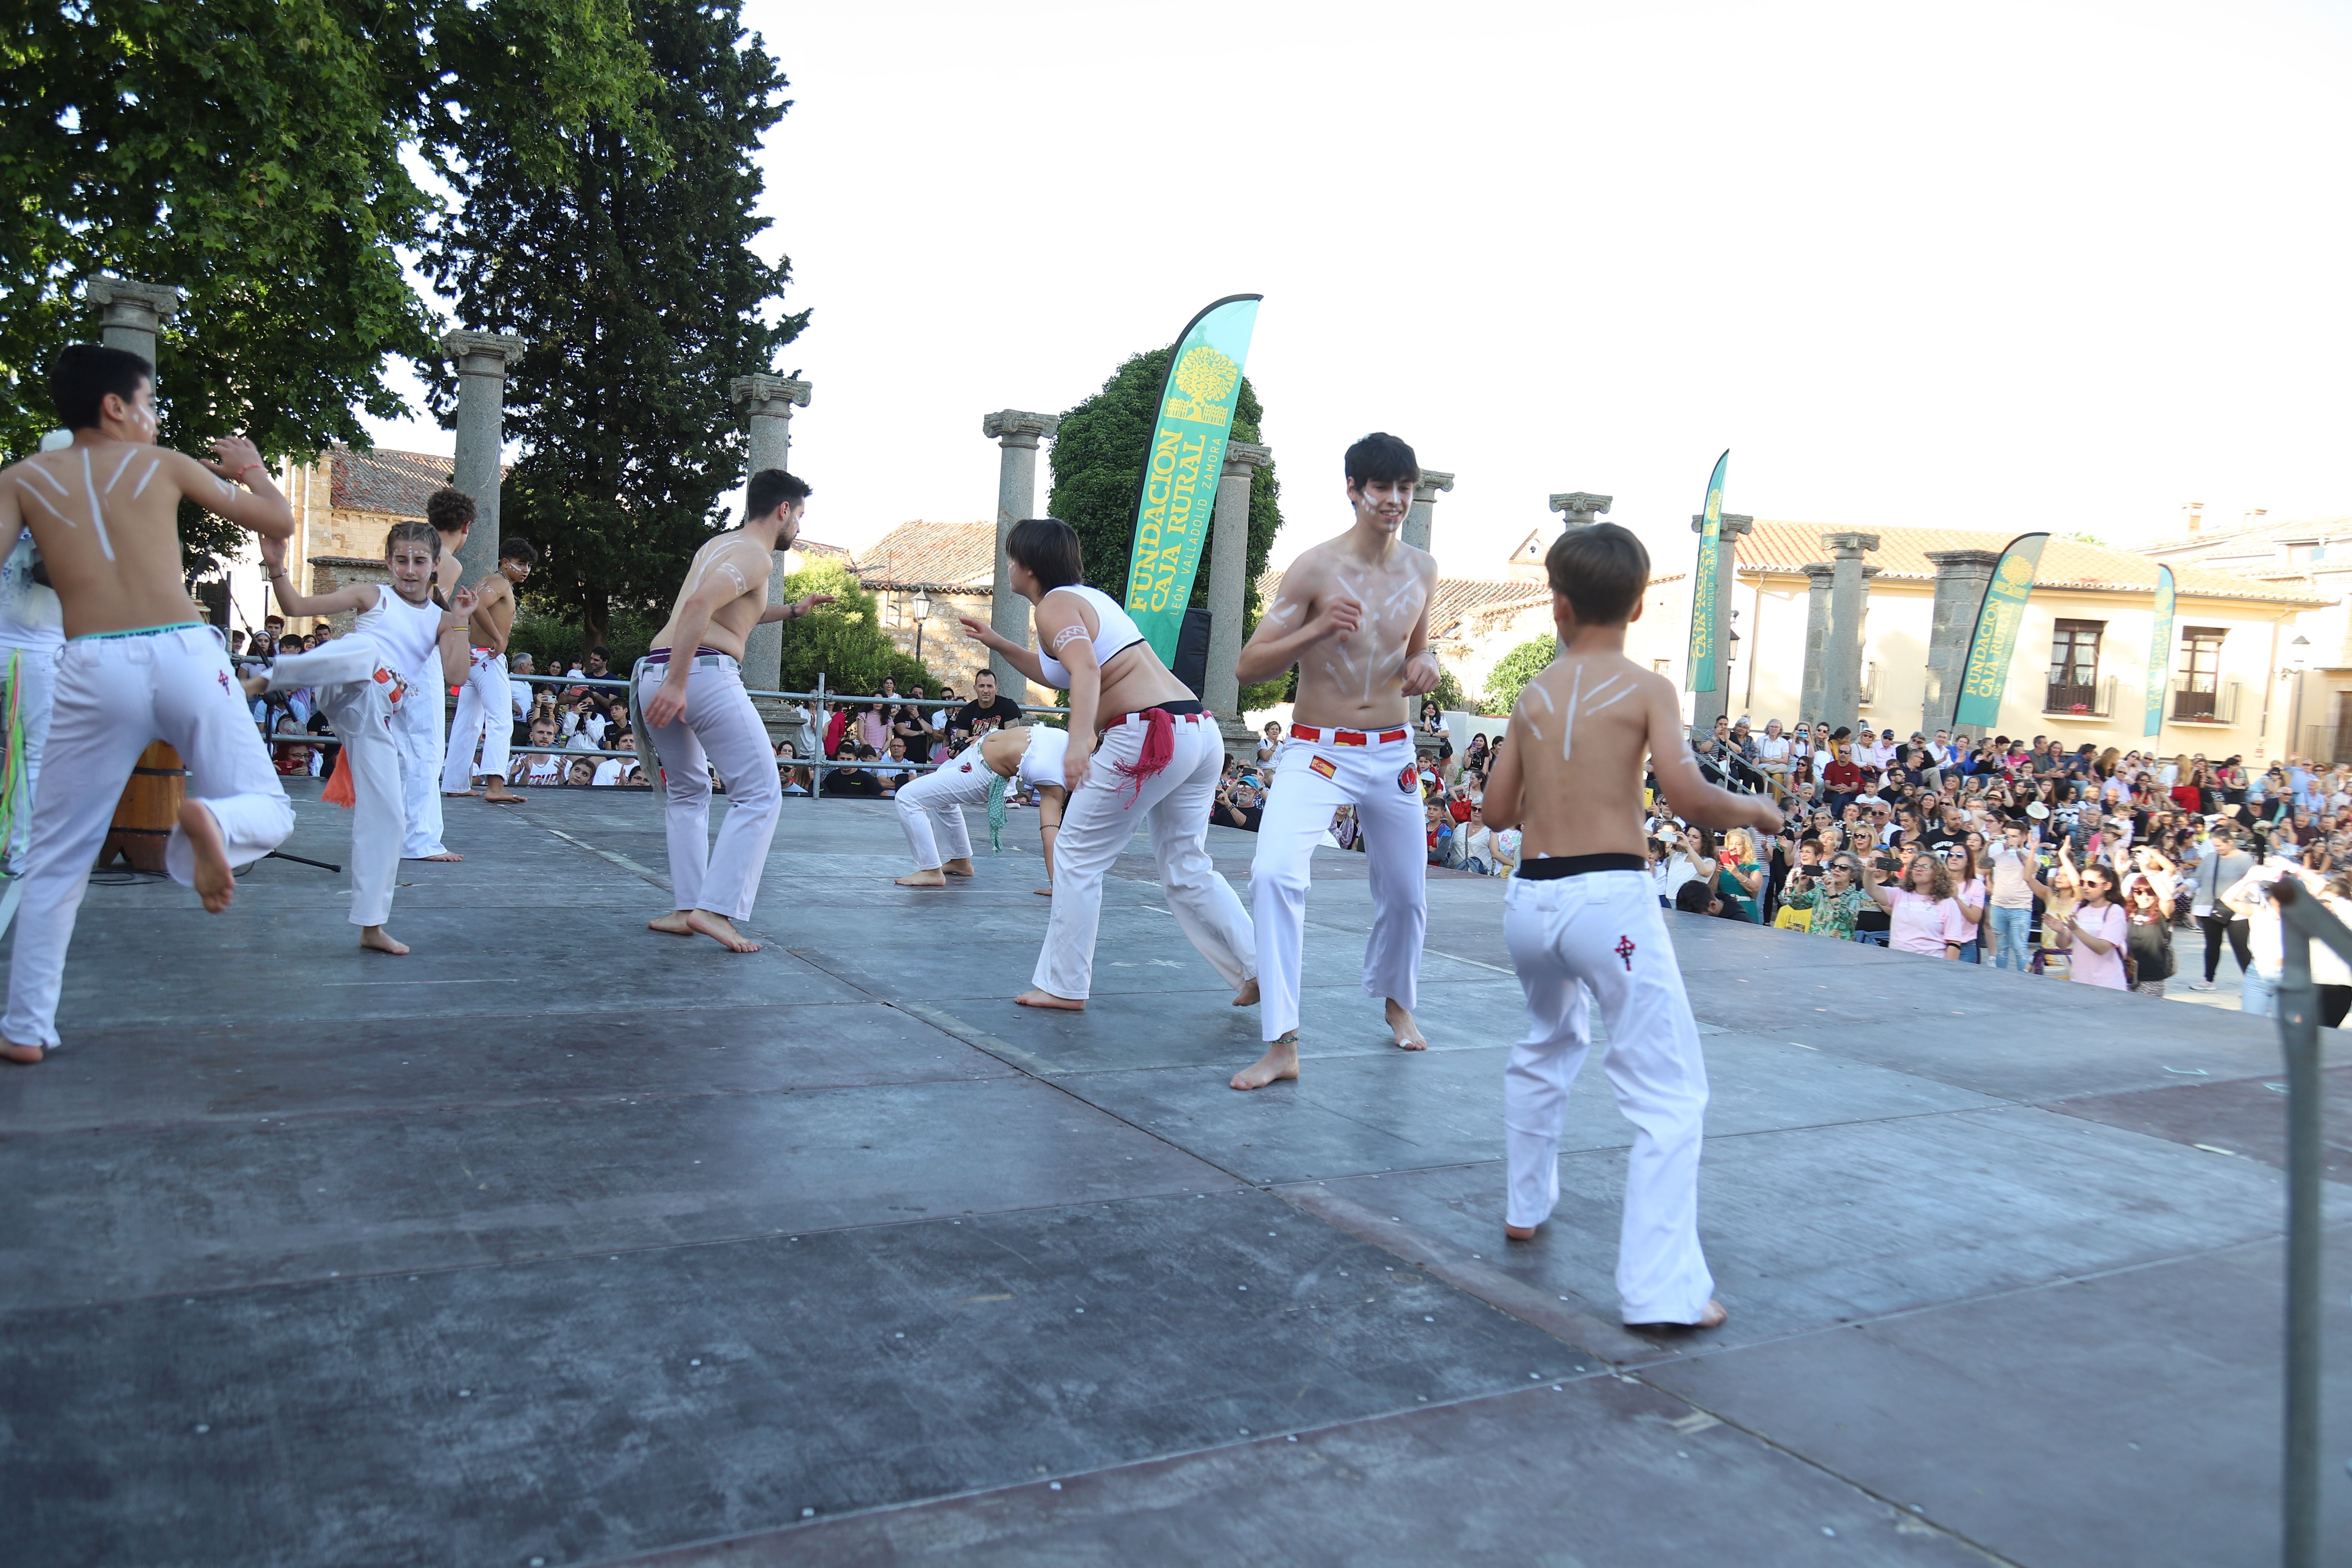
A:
1922,917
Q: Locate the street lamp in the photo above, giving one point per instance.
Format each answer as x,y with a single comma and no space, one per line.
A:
922,614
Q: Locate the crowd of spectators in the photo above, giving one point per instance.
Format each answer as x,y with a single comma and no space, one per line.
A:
2024,853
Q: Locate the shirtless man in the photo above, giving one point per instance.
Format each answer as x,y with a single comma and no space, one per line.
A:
1353,615
138,665
690,688
485,707
1583,920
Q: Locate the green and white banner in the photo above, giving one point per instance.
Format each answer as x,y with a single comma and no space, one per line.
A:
1179,493
1706,637
2160,653
1986,676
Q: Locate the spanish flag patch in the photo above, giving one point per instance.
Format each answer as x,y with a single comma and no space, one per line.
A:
1325,766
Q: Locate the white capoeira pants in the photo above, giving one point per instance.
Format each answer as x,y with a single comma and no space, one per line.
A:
115,697
1096,825
1382,781
930,808
365,701
35,668
419,742
485,714
1601,937
720,725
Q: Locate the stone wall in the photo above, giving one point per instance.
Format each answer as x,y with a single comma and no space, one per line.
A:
329,573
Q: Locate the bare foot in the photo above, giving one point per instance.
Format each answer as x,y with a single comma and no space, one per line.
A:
444,854
958,867
27,1054
377,939
459,793
1047,999
1043,892
214,883
1280,1061
931,878
675,922
1408,1034
1712,1318
498,795
720,930
1520,1232
1247,996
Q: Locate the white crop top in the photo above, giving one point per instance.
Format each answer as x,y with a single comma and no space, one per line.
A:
1115,633
1042,763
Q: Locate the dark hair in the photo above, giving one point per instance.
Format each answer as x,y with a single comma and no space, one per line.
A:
600,651
85,372
1380,458
1048,547
449,510
1693,898
522,550
412,531
769,488
1601,569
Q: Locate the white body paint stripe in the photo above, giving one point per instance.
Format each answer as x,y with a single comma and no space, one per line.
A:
97,512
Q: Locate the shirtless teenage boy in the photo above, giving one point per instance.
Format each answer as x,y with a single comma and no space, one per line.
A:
138,665
690,689
485,708
1583,920
1353,615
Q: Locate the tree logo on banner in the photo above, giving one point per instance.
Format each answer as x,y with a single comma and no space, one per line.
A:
1206,378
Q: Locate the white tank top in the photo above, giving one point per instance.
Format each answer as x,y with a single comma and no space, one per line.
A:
1115,633
408,635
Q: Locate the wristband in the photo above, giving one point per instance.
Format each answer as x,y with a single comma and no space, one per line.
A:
249,468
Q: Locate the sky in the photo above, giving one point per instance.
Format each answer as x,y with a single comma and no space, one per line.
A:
2051,265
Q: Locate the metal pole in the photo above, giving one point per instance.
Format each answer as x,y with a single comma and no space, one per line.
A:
2299,1035
816,774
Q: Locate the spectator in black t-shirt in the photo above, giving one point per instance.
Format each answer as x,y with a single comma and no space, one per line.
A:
987,710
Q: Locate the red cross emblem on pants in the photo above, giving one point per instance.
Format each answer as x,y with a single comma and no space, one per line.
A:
1625,950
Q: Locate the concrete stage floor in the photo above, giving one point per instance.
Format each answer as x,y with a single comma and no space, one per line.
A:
565,1242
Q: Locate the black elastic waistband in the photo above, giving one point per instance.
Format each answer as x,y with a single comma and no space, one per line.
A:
1551,867
1173,709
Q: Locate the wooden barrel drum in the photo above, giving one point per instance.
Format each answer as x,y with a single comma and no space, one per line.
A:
148,811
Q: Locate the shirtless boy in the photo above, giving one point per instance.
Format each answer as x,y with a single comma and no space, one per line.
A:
485,708
931,805
138,665
1583,920
691,687
1353,615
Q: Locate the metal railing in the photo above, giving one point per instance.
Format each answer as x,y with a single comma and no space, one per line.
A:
2302,920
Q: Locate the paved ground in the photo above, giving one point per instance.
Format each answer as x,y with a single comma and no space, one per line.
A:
564,1242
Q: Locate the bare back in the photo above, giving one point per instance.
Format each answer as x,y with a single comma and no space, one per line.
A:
105,516
1357,680
493,613
1579,737
739,562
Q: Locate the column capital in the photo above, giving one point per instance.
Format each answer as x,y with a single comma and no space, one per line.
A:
1581,506
1819,571
1948,561
482,354
1425,489
775,395
1735,523
1849,546
1870,572
1241,456
124,300
1013,427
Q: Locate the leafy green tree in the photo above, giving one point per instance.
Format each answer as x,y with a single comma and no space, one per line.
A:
1516,669
1449,692
1097,464
844,640
251,151
634,281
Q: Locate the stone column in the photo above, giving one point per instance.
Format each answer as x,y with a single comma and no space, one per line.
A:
1579,508
481,360
1707,707
1229,583
1961,578
1424,502
1841,654
129,313
767,402
1017,435
1817,634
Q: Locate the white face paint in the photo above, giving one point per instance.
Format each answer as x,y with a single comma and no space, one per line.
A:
411,564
